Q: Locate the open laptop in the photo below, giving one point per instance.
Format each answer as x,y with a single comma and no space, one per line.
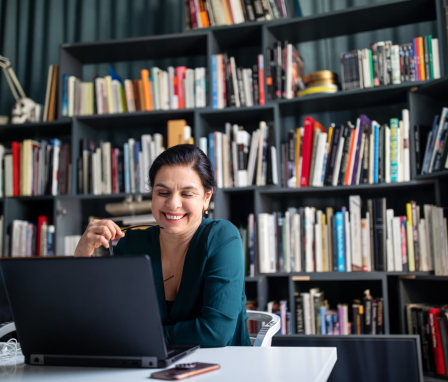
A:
101,311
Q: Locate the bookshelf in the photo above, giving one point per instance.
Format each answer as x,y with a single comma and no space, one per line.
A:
424,99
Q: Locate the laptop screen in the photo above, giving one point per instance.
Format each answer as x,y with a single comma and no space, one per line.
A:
85,306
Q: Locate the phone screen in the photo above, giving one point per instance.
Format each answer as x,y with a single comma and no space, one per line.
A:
181,371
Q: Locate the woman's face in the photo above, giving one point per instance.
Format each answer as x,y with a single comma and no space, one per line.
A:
179,199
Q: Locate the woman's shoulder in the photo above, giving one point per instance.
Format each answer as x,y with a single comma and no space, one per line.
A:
220,231
220,226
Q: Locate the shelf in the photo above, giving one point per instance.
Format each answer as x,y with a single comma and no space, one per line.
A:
35,130
338,276
139,117
144,48
435,88
347,189
349,99
433,175
353,20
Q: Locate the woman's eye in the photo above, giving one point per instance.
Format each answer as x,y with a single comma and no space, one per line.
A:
188,195
162,193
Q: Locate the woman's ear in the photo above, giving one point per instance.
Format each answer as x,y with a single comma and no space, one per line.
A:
207,198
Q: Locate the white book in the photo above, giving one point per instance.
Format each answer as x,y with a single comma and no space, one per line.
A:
289,91
423,247
218,159
172,97
226,163
116,96
130,99
435,58
200,96
252,156
142,175
337,165
109,95
400,152
106,151
319,161
189,88
274,165
366,68
164,89
55,160
318,242
348,242
101,100
395,63
265,230
297,244
309,239
221,84
203,144
96,172
390,256
307,323
235,163
260,180
237,11
131,143
71,90
286,231
146,162
8,175
158,145
355,227
246,87
396,233
406,159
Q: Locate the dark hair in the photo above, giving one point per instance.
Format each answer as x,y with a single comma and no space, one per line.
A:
186,155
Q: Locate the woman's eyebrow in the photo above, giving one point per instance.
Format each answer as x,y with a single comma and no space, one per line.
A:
183,188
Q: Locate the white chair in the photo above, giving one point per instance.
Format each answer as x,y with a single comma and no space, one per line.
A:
6,329
270,326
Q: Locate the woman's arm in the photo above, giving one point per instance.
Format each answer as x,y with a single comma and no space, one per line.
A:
221,295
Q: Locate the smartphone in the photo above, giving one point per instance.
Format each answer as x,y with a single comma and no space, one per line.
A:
185,370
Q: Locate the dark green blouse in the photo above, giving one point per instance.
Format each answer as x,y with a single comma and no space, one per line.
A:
210,307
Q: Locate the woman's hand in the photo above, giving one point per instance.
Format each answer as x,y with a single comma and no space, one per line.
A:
98,233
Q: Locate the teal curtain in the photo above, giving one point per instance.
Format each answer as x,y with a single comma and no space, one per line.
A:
32,30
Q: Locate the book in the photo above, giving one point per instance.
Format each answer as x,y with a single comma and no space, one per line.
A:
175,132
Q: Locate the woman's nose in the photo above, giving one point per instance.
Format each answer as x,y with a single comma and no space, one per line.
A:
174,201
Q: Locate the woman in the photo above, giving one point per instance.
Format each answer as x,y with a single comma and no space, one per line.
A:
197,262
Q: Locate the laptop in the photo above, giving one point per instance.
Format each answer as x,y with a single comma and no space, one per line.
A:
81,311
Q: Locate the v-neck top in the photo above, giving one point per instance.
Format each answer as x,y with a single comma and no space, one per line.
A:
210,306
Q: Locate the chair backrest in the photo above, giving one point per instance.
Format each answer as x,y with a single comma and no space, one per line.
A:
270,324
367,358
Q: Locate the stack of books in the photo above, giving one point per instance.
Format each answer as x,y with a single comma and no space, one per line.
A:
388,64
349,154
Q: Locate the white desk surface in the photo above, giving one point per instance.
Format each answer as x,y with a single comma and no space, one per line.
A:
237,364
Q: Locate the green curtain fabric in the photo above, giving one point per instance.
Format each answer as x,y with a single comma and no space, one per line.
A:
32,30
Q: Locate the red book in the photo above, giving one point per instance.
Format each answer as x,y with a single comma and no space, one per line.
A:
180,74
417,57
114,169
15,148
261,79
193,19
41,220
306,151
138,104
433,313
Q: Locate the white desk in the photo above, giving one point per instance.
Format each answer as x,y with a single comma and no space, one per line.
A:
237,364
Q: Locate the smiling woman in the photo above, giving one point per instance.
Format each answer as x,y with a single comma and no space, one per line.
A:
197,262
